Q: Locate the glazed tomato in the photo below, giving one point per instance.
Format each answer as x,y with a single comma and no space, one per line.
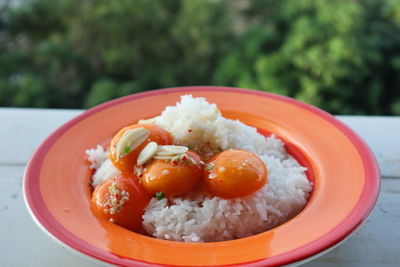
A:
120,201
173,178
234,173
126,163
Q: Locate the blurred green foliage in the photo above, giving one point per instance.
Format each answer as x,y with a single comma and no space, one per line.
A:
340,55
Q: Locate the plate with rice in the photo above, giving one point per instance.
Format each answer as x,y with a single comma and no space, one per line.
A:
321,181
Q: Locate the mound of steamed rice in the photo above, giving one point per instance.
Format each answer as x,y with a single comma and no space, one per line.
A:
200,217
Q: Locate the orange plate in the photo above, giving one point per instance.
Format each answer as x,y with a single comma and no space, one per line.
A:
344,171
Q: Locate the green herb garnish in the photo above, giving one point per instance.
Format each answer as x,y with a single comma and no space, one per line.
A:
127,149
209,167
160,195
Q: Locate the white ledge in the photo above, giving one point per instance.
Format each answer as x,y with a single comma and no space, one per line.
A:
22,130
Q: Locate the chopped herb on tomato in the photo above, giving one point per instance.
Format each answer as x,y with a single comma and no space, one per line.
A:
127,149
160,195
209,167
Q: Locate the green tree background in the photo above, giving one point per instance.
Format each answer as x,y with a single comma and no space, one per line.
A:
340,55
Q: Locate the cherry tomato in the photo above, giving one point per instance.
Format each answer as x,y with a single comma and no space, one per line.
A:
120,201
234,173
126,163
173,178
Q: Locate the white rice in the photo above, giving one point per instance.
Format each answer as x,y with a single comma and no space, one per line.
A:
99,159
200,217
